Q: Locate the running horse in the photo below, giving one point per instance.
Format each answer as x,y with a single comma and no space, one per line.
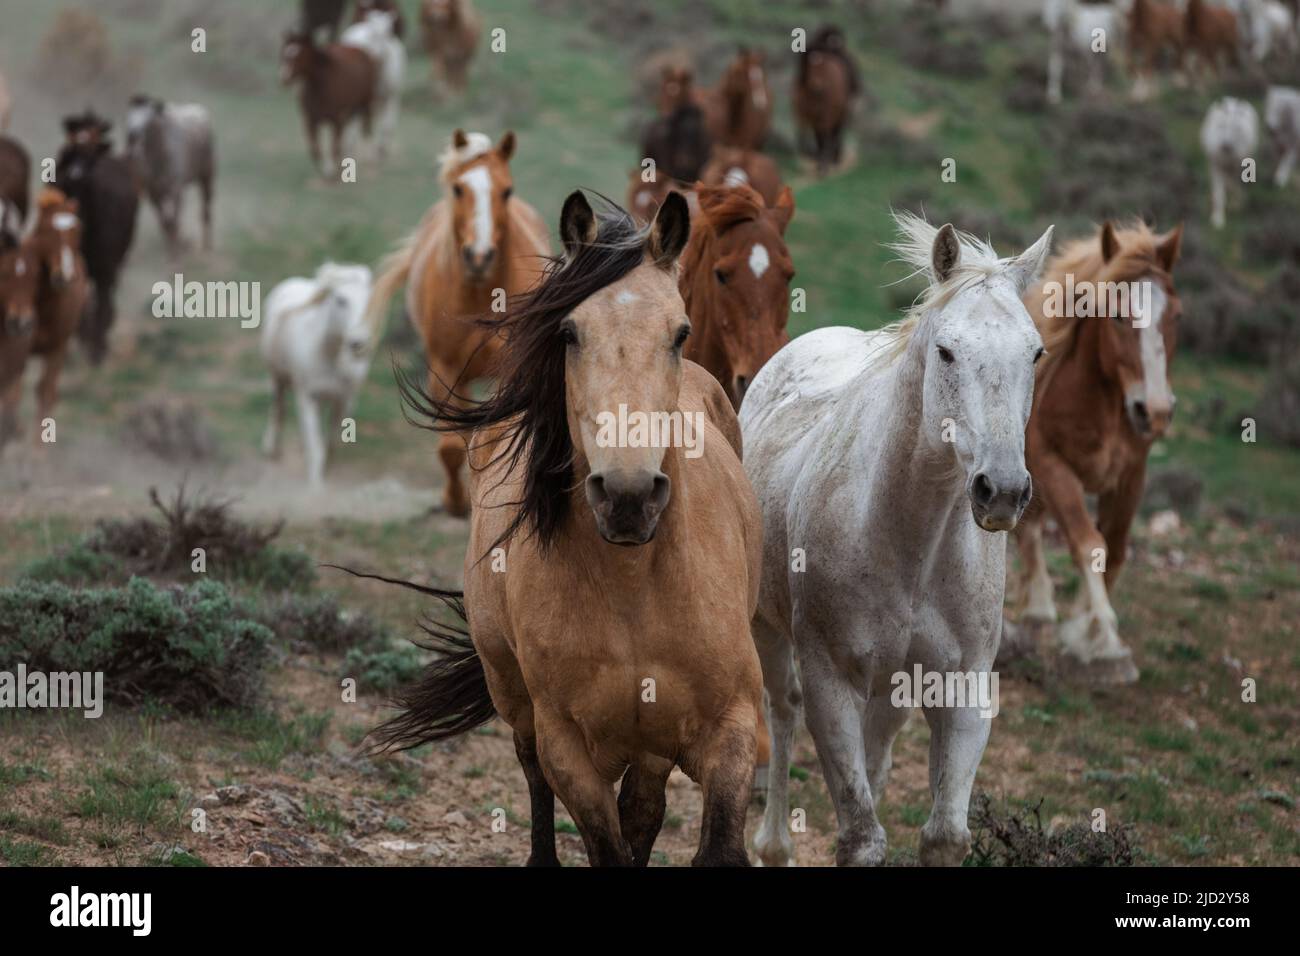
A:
608,584
19,286
338,86
1153,29
478,239
450,31
1102,398
735,282
824,90
1210,33
739,108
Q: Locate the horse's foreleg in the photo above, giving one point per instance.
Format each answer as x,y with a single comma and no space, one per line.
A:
1036,590
313,145
832,708
47,391
1115,511
1284,168
957,739
566,762
1218,197
313,447
205,187
275,422
336,130
10,398
773,842
451,445
726,774
541,799
642,803
881,722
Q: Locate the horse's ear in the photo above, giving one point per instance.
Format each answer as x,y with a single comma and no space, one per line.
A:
1109,241
945,253
1171,244
783,209
459,140
670,231
577,224
1025,268
506,148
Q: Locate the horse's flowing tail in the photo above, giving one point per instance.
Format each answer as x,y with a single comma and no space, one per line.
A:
394,270
451,696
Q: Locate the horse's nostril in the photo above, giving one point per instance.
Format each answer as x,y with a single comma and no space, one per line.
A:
1140,410
982,489
1027,493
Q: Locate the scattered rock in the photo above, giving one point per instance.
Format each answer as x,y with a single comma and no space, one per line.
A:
456,819
1164,523
257,858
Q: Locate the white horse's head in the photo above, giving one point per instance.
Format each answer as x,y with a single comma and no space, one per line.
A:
978,347
345,290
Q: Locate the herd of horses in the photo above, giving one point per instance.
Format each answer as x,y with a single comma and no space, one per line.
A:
631,605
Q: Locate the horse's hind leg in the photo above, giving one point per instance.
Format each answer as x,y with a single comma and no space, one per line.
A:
726,773
563,755
275,422
1036,581
772,842
641,804
957,739
541,800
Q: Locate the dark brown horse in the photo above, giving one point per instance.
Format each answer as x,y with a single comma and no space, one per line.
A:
735,281
338,86
105,190
19,282
824,90
1153,29
15,174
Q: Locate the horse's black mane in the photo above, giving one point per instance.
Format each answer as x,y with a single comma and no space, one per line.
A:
530,396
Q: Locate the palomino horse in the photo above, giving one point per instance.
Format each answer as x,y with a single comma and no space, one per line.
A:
19,285
1102,399
883,547
63,289
1210,33
1229,136
735,282
105,190
450,29
739,108
609,583
1153,29
317,339
824,89
171,146
338,86
744,167
478,239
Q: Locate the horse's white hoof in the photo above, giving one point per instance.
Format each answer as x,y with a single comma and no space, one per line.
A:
1092,650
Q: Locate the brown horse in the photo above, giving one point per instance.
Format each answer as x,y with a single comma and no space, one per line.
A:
1153,29
1108,314
612,633
15,176
744,167
365,7
338,87
735,282
1210,33
64,287
476,244
824,89
646,192
739,109
19,284
450,29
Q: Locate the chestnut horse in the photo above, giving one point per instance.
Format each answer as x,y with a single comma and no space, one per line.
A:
1102,398
338,86
19,284
824,89
1153,28
1210,33
450,29
735,282
15,176
739,109
744,167
478,239
64,287
608,583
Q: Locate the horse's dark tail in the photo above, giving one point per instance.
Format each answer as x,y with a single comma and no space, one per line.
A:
451,696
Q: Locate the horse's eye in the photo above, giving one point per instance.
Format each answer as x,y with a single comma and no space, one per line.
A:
508,192
569,333
720,276
457,190
945,355
682,335
1039,354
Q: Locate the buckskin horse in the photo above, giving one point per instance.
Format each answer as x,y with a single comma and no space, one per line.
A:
477,239
1101,400
105,190
735,281
615,642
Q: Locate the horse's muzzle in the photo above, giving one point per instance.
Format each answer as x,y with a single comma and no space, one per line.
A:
998,501
627,505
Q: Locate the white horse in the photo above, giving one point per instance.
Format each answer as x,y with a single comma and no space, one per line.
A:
315,337
375,35
1229,137
1267,27
1282,118
889,466
1072,29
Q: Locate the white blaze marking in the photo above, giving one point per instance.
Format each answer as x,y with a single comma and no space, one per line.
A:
758,260
735,177
624,297
1152,344
63,221
65,260
480,182
756,87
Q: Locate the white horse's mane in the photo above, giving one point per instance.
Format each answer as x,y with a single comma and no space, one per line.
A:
915,247
476,144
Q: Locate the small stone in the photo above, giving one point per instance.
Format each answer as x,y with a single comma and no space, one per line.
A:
456,819
257,858
1164,523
